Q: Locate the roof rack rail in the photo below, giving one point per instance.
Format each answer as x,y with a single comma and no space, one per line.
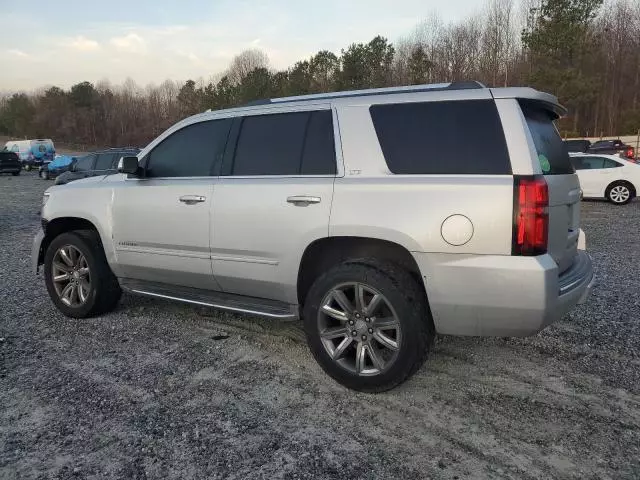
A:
371,91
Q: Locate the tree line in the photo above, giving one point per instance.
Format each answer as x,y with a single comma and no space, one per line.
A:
584,51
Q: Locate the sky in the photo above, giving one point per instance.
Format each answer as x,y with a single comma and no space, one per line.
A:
62,42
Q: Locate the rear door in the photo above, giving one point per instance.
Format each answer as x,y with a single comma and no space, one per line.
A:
563,183
272,200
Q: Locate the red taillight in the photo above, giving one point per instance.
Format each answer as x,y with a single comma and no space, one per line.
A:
630,153
531,216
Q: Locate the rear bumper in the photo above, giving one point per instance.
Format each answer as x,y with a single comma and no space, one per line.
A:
491,295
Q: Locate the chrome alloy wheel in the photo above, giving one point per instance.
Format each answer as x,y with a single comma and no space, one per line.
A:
359,329
620,194
71,276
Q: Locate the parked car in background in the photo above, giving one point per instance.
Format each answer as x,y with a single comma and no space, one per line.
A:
576,145
10,163
342,209
59,165
103,162
607,176
612,147
32,153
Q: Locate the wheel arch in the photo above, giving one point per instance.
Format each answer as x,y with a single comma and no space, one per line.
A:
57,226
324,253
631,186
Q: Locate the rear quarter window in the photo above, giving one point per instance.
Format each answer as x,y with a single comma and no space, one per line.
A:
551,150
462,137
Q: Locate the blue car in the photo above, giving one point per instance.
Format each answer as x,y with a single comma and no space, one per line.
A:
60,164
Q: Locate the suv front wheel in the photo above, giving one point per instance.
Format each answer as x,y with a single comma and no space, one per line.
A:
368,324
78,277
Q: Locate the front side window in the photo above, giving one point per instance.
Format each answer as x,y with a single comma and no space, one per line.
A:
424,138
296,143
84,164
104,161
190,151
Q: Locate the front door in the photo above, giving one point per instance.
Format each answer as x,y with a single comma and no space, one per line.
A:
162,218
273,199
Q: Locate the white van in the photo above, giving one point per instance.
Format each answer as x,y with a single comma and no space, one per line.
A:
32,153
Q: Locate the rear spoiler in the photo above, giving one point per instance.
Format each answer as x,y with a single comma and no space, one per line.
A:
548,101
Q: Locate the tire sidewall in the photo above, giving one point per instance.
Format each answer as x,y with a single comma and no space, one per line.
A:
87,250
410,314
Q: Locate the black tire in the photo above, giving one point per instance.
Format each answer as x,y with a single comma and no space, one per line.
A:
104,292
15,174
615,195
407,299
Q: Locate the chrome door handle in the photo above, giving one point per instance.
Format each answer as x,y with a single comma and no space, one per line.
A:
192,199
303,200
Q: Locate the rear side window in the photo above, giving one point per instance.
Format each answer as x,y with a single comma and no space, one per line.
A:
319,155
296,143
189,152
608,163
551,150
462,137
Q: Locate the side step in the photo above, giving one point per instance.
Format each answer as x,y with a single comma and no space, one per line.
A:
207,298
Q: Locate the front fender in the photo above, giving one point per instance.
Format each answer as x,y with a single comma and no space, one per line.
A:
36,253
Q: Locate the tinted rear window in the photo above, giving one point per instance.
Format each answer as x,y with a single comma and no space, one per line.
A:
296,143
450,137
551,150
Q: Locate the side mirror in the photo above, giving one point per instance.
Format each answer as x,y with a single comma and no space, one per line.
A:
128,165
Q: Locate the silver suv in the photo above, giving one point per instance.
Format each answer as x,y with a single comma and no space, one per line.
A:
380,217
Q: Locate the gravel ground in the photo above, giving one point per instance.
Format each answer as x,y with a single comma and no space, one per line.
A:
159,390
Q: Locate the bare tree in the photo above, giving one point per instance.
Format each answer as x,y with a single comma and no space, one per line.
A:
244,63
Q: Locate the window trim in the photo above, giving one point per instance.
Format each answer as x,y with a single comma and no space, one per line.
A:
234,135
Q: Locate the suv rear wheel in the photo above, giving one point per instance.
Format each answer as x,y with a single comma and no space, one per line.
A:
368,324
78,278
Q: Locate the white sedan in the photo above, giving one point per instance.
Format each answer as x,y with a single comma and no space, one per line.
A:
607,176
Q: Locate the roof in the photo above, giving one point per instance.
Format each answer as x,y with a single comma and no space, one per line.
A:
372,91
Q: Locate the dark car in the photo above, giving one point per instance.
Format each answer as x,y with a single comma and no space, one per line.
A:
10,163
613,147
580,146
104,162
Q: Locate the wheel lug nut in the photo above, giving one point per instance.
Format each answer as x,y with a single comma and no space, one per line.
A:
357,315
364,337
367,319
350,322
371,330
354,333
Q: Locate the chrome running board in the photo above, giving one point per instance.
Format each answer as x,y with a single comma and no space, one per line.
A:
206,298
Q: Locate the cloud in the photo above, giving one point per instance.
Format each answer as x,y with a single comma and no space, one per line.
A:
18,53
131,42
81,43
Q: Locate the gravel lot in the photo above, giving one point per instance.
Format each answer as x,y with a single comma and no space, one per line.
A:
159,390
